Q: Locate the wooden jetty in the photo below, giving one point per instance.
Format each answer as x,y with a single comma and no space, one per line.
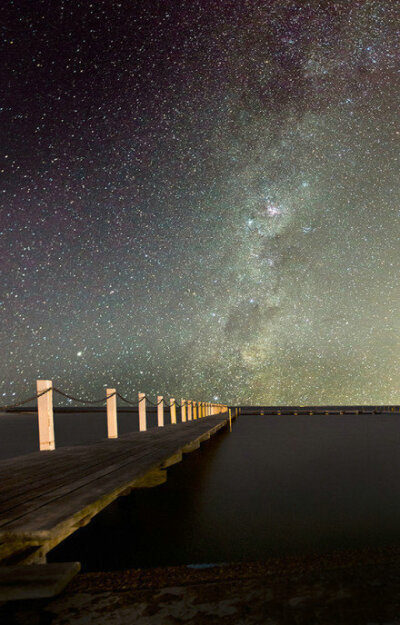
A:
46,496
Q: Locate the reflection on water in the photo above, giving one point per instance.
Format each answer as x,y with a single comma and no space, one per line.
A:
275,486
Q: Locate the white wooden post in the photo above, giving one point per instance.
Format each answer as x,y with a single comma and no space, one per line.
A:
172,409
189,405
112,423
200,410
183,410
142,412
195,410
160,411
45,415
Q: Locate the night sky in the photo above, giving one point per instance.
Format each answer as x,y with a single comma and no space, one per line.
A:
201,199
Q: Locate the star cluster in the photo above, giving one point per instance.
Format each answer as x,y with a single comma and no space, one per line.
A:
201,198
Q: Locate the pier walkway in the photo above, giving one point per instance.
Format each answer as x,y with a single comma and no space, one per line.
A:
46,496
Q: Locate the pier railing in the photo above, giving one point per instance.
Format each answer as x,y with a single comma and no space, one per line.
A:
190,410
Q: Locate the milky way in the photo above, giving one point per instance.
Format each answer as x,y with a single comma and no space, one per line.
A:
201,199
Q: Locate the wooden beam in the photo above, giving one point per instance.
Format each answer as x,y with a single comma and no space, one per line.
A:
36,581
172,408
160,411
45,415
142,412
112,424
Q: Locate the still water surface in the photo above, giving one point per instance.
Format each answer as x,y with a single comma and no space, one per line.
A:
274,486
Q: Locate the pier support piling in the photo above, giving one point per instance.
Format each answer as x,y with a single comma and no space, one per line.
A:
173,410
112,423
142,412
160,411
45,415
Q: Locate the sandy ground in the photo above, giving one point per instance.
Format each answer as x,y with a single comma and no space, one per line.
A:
344,588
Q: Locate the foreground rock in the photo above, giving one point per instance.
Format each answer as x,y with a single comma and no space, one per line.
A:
354,588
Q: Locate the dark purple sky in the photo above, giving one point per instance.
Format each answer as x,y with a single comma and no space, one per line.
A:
201,199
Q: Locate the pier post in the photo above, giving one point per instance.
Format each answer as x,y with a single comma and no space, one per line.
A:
230,421
160,411
183,410
172,409
189,408
112,424
142,412
194,410
45,415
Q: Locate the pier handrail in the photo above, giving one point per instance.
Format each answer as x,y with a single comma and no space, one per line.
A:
189,410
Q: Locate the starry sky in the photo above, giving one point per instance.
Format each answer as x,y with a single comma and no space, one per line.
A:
200,198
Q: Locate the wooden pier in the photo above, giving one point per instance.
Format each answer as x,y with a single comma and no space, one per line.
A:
46,496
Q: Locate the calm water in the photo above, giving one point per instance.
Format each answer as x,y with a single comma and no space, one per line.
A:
274,486
19,431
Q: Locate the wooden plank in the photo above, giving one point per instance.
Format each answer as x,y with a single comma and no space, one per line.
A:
155,451
36,581
71,498
153,456
49,495
69,510
68,476
70,461
55,508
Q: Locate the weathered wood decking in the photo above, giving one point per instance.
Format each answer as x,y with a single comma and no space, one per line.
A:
46,496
